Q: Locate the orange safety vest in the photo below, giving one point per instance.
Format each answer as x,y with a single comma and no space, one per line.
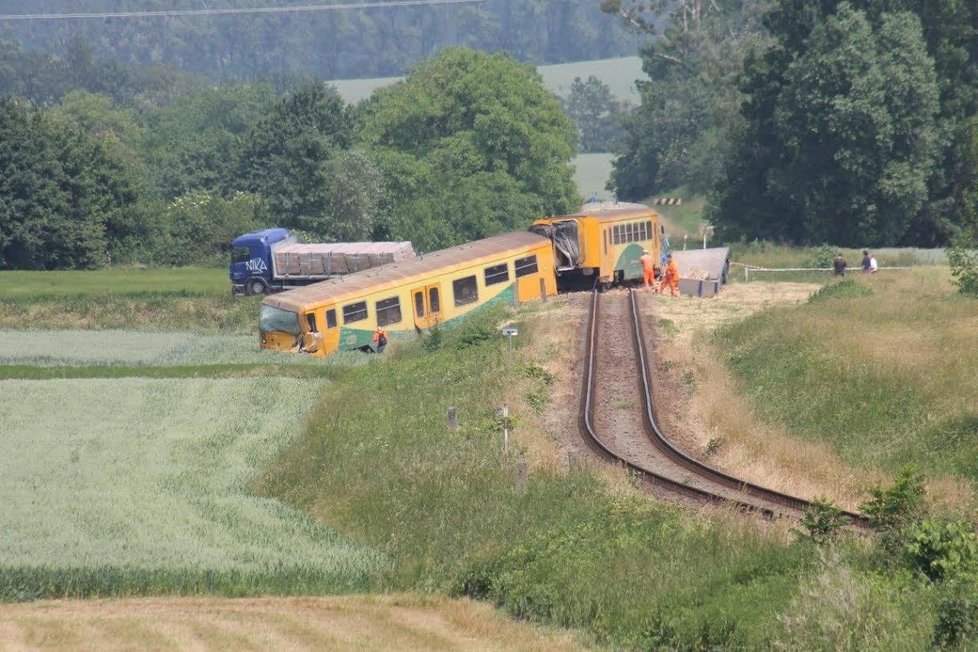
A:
648,263
380,337
672,270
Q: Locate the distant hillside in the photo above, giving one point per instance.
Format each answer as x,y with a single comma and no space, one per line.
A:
618,73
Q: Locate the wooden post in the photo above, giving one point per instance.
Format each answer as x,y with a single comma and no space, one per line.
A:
506,434
573,460
453,418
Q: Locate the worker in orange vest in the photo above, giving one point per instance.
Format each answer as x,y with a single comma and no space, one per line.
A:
671,277
380,340
648,271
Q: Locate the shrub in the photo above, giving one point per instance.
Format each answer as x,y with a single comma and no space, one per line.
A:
957,612
941,550
891,511
822,520
962,256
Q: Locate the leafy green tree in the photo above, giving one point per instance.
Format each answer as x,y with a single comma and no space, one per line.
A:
200,226
893,510
287,158
471,144
30,196
856,124
593,109
962,256
196,142
355,186
753,198
59,188
689,103
129,227
942,550
822,520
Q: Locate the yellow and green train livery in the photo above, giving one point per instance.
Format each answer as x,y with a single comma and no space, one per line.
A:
602,244
408,297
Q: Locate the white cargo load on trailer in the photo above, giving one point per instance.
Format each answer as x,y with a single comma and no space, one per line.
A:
324,260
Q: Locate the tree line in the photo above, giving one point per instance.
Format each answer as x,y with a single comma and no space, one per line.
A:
468,145
339,44
852,123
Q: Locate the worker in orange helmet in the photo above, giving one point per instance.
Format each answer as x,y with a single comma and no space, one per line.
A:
648,271
380,340
671,277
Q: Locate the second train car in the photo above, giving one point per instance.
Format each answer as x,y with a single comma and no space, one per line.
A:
410,296
602,244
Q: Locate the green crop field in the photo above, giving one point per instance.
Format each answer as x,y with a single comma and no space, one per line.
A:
190,281
150,348
120,486
591,172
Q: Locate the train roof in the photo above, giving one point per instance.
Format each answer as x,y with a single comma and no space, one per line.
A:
604,211
393,274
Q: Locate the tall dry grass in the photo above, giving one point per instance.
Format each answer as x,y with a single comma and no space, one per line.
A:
879,369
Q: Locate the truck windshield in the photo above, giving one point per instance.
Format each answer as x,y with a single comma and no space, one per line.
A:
240,255
276,319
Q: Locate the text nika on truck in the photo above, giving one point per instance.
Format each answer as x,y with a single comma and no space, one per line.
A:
271,260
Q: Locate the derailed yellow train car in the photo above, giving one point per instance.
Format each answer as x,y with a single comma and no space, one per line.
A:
408,297
602,244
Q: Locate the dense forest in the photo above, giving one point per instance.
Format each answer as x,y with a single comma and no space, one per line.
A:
469,144
330,44
851,123
129,140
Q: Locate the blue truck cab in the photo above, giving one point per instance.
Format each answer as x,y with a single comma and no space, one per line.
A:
251,261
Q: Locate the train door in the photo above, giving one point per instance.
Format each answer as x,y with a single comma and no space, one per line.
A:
427,305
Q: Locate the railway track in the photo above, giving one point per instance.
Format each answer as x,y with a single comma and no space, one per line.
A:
677,473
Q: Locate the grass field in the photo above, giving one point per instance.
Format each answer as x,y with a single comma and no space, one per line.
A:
619,74
591,172
147,348
256,485
185,281
136,486
879,366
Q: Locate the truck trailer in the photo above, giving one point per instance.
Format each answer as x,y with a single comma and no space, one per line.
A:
271,260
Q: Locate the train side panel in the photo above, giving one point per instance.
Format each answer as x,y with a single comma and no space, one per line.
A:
405,303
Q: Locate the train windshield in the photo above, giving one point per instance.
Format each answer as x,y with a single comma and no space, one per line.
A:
274,319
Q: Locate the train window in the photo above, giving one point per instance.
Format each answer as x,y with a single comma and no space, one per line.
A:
649,232
497,274
355,312
419,303
311,320
331,318
606,238
631,232
525,266
433,301
466,290
388,311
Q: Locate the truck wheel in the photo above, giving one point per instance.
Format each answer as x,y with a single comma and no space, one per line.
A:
256,286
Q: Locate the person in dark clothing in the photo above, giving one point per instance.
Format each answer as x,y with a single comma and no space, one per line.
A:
839,265
866,260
